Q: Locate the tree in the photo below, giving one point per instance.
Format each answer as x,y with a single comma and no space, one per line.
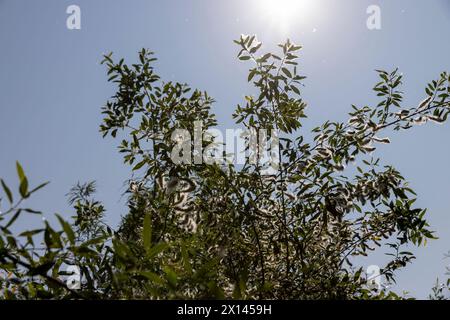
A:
288,228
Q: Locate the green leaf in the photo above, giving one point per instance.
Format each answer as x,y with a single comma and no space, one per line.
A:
20,171
256,48
30,233
7,191
147,232
264,58
156,249
47,237
171,276
295,89
23,188
286,72
39,187
67,229
32,211
14,218
251,75
152,277
139,165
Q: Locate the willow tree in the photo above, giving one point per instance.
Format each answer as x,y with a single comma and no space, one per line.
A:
210,229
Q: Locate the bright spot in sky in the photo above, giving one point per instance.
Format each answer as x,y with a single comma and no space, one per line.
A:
283,13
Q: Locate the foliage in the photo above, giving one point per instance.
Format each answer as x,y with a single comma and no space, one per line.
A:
211,230
441,291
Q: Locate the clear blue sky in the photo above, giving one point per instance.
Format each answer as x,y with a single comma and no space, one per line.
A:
52,86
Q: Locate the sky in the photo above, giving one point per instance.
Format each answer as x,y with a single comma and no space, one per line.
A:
52,87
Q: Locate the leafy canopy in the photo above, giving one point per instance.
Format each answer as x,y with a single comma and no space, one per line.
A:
216,230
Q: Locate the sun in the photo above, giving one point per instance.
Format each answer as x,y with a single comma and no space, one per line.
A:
285,12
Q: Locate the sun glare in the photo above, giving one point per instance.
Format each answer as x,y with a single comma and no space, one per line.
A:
285,12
